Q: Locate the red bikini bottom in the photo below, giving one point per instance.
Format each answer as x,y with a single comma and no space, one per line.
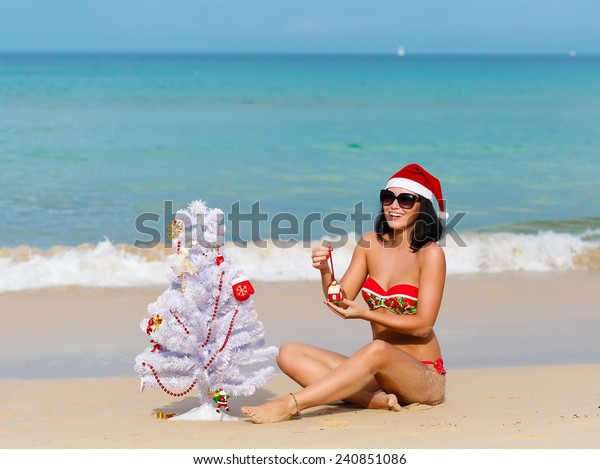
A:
438,365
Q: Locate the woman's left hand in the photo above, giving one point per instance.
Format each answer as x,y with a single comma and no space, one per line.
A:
348,309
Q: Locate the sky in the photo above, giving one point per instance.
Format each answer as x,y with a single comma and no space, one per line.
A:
302,26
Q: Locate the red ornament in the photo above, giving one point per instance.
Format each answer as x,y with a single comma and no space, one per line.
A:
153,324
220,258
220,398
334,291
242,288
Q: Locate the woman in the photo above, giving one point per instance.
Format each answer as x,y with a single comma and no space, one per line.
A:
401,272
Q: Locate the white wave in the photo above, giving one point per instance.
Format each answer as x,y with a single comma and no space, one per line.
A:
274,263
545,251
104,265
107,265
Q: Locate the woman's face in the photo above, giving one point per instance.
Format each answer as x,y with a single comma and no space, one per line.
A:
399,218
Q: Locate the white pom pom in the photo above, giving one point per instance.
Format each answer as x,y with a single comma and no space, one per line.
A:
197,207
443,215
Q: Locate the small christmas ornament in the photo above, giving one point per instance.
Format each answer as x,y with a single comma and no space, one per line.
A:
242,288
174,229
164,415
334,290
219,259
153,324
183,265
221,399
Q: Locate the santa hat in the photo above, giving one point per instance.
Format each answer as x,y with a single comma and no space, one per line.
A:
416,179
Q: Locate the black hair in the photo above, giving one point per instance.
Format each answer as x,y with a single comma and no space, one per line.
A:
428,227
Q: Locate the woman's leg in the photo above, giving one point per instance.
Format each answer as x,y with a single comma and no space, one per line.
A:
396,371
306,364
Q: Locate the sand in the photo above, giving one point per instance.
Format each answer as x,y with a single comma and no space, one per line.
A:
521,351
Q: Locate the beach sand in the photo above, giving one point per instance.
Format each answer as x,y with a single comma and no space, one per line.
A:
521,351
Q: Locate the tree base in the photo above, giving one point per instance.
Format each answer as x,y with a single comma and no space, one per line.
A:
204,412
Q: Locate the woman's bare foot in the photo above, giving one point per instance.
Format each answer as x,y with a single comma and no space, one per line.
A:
382,400
277,410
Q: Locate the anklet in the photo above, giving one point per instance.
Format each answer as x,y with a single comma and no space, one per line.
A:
297,406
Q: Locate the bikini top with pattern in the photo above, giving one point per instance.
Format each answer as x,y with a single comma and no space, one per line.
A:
400,299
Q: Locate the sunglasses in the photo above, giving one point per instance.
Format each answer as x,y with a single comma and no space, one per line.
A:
405,200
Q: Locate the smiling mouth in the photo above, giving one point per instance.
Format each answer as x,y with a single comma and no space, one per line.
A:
395,215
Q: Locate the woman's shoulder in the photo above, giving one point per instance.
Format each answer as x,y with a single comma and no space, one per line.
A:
432,253
368,240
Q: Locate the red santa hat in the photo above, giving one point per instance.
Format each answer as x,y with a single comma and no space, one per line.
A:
415,179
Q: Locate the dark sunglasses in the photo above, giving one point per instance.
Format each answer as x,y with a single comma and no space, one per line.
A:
405,200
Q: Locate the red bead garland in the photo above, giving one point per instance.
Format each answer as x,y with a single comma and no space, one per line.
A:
218,298
208,336
215,309
179,321
208,364
163,387
229,331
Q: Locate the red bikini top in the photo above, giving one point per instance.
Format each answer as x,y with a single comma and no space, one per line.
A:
399,299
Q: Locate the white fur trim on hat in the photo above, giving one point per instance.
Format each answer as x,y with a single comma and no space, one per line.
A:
410,185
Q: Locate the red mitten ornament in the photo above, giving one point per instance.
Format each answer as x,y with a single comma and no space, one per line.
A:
242,288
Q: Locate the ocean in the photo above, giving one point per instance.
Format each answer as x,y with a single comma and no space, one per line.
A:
97,151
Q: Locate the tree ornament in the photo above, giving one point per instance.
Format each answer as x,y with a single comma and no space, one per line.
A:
242,288
219,259
183,265
174,229
221,399
153,324
334,290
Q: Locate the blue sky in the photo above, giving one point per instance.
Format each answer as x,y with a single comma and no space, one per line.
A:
366,26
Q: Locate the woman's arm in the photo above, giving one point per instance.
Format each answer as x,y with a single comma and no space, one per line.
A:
355,275
431,287
320,261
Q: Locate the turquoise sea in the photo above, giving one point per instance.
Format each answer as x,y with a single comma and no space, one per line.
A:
89,143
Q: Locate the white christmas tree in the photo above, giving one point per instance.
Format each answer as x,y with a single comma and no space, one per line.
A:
203,328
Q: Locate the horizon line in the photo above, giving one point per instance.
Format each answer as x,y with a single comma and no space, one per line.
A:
568,53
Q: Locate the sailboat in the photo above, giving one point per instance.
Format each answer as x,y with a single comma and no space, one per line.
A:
401,51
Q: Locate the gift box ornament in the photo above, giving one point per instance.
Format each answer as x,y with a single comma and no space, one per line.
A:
164,415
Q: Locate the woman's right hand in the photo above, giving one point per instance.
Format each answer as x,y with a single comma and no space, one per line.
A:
320,256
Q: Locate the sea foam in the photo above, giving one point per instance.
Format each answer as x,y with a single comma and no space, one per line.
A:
108,265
